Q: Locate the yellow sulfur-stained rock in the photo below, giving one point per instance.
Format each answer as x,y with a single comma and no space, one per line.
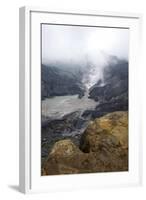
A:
115,123
67,158
103,148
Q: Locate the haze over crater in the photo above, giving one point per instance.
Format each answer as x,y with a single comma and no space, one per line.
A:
92,48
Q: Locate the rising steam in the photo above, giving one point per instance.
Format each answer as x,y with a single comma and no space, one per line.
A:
88,47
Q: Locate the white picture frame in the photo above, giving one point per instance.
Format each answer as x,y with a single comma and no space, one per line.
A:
30,178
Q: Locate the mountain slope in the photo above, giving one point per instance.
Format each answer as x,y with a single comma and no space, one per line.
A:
113,94
59,82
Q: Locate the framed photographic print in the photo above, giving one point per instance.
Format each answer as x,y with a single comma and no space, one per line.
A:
79,100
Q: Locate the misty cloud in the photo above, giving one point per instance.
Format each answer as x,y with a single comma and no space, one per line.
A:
77,43
89,49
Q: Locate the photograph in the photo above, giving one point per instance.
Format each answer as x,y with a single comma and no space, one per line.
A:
84,99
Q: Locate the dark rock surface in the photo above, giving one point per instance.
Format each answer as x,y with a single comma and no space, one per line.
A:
58,82
103,148
70,126
113,95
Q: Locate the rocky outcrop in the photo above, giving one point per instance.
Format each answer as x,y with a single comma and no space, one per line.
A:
107,138
69,126
112,125
103,148
67,158
113,95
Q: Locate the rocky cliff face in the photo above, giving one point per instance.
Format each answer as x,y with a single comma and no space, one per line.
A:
103,148
113,95
58,82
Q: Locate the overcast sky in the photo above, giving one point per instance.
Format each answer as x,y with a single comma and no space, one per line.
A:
74,43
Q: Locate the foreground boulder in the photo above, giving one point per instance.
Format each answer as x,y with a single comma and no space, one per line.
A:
107,138
67,158
103,148
113,127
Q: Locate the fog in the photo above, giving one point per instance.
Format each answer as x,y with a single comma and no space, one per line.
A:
90,48
78,43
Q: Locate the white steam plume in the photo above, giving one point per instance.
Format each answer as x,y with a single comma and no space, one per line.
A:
86,46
